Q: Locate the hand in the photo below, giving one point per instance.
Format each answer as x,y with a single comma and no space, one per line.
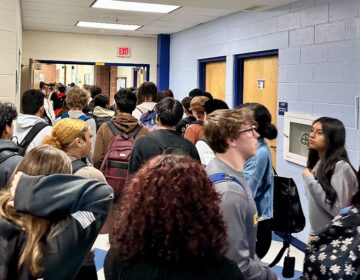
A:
307,173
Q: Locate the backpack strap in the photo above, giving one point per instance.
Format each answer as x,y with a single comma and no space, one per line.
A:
113,128
158,140
31,134
204,139
4,155
218,177
82,117
65,115
77,164
135,131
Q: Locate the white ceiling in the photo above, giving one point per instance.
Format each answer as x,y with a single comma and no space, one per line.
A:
62,15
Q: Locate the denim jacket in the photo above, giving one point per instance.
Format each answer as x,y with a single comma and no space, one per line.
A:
258,173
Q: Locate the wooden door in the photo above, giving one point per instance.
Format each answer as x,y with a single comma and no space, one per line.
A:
215,79
260,85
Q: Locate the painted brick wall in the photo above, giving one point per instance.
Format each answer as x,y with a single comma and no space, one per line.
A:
10,45
319,67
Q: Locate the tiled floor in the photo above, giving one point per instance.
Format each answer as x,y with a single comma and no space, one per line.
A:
102,245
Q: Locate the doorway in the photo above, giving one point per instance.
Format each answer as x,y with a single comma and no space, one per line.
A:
257,81
212,76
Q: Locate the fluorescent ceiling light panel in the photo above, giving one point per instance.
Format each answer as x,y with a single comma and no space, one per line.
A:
101,25
134,6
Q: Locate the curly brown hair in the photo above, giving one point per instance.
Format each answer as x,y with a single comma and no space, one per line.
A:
170,211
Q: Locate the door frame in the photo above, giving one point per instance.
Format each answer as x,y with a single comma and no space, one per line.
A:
239,60
147,66
202,69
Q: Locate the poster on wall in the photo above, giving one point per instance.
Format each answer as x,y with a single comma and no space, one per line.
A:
120,83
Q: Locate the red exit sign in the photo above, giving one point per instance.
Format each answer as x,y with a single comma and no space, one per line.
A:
124,52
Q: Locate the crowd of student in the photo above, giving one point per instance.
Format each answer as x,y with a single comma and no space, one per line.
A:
184,189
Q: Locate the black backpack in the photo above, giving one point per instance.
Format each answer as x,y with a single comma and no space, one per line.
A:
30,137
166,148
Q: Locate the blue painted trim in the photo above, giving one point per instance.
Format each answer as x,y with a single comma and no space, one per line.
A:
239,72
163,61
202,68
292,240
64,62
135,77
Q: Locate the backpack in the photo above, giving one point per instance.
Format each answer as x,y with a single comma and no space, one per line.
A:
148,119
30,137
82,117
4,155
116,161
168,149
77,164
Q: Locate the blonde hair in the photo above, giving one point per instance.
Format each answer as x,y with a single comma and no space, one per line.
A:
65,132
42,160
76,98
225,124
197,105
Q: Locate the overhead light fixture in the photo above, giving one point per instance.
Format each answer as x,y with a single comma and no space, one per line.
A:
134,6
102,25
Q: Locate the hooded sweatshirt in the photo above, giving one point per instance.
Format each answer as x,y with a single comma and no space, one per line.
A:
143,108
102,115
22,126
125,123
8,166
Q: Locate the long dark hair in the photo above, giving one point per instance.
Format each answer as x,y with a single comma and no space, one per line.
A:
263,118
334,134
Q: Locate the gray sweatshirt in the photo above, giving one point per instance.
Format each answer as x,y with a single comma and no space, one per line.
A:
240,215
343,181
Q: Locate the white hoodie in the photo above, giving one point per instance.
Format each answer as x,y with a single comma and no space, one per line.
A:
22,126
143,108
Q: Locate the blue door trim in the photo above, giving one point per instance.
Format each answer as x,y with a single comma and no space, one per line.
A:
239,72
202,68
147,66
163,61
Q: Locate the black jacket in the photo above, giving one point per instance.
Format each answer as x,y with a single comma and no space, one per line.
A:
78,208
145,147
143,268
8,166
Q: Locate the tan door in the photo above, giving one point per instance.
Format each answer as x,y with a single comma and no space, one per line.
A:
215,80
260,85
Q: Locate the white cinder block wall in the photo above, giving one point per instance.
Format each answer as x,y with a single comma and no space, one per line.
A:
319,68
10,50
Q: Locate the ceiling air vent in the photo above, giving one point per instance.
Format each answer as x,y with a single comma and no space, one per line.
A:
255,8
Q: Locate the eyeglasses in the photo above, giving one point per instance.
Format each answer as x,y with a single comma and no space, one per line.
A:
252,129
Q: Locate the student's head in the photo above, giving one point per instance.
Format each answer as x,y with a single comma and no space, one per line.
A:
208,95
223,128
263,119
186,105
125,100
102,101
7,115
169,111
214,104
327,142
170,212
147,92
42,85
327,136
168,93
62,88
76,99
72,136
95,90
42,160
196,92
32,102
197,106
